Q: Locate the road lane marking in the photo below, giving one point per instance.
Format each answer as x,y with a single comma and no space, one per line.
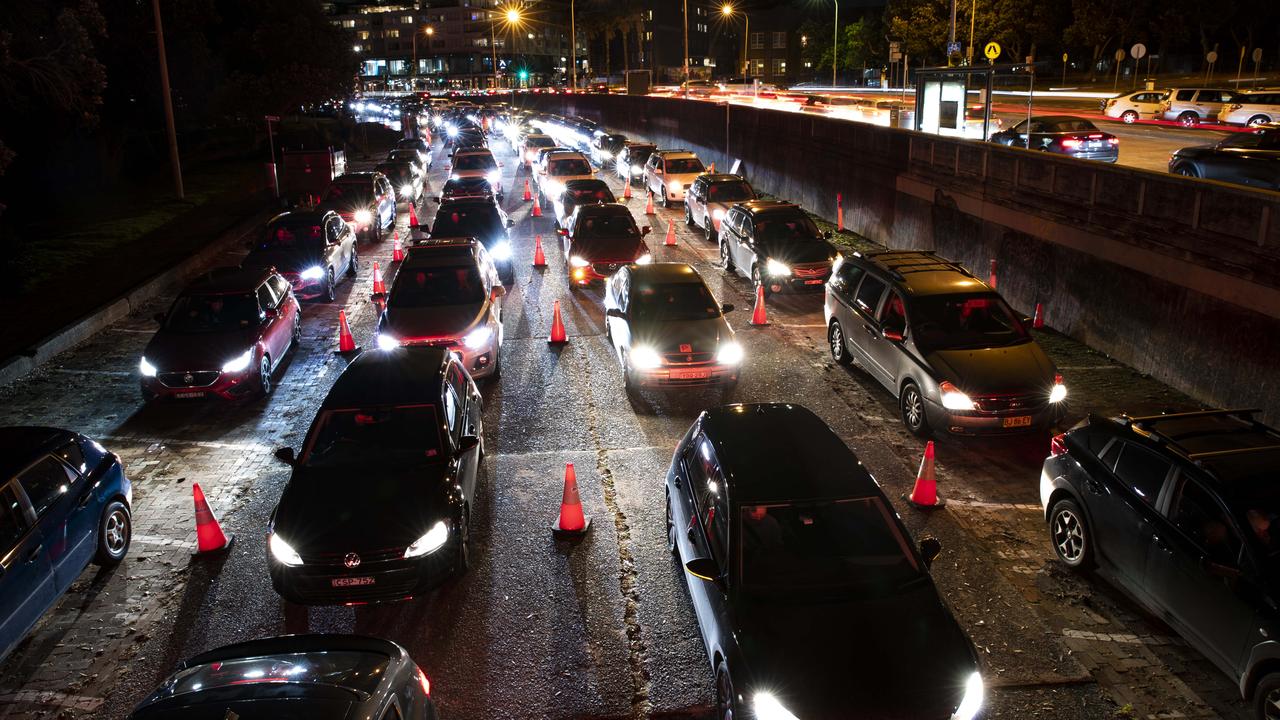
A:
994,505
533,453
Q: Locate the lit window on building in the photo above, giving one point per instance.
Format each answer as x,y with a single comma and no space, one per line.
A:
406,19
363,34
779,67
393,33
349,24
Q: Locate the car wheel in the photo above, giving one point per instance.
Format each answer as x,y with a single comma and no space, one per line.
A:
1070,535
1187,170
1258,120
911,403
758,281
839,351
330,287
709,230
296,338
462,554
353,265
1189,119
665,202
114,532
672,547
725,704
1129,116
726,260
688,216
264,376
1266,697
376,233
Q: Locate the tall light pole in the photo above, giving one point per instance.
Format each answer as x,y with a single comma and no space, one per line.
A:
573,44
429,31
835,44
727,11
686,47
973,12
170,130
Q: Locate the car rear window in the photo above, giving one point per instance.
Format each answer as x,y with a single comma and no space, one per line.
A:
213,313
610,225
394,435
1069,126
349,192
357,671
579,196
473,220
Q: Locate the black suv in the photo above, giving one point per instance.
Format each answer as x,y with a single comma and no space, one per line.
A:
775,244
1180,511
483,220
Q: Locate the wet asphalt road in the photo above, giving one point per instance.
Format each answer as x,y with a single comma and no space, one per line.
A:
603,628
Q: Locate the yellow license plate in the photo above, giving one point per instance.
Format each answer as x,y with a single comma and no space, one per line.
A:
1017,421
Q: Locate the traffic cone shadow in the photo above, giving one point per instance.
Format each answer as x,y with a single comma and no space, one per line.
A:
924,496
572,524
210,539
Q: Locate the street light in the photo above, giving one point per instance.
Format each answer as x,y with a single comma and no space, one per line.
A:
727,11
835,44
429,32
512,17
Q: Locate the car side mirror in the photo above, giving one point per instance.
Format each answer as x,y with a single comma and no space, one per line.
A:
1219,570
645,230
497,292
159,317
466,444
891,335
511,223
929,549
562,232
726,308
828,235
704,569
615,313
286,456
271,313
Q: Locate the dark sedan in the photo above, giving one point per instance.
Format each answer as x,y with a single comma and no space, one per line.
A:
579,192
484,220
407,423
225,335
668,329
310,249
812,600
1062,134
64,503
318,677
462,188
1243,158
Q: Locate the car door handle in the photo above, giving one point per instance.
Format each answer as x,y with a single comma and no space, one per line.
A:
870,331
35,553
85,500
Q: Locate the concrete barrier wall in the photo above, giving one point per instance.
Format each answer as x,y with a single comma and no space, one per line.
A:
1177,278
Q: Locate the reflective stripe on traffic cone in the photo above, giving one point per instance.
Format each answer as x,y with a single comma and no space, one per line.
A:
528,194
925,493
346,342
1037,320
397,250
671,233
558,335
758,315
539,259
572,523
648,206
209,535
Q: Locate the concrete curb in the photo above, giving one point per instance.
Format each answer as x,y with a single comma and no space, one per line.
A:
131,301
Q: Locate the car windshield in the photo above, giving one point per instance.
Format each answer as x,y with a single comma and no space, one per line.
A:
388,435
473,221
843,546
474,161
958,322
582,196
789,227
356,671
540,142
351,193
213,313
611,225
398,173
432,286
639,154
682,166
729,192
673,302
294,235
573,166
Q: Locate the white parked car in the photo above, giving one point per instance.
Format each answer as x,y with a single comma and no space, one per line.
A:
1134,106
1252,108
668,173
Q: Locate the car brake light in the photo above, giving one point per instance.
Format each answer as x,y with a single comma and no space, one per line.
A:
1058,445
1070,142
1097,136
1114,140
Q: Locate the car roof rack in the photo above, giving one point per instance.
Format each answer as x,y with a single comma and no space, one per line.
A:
1146,425
914,261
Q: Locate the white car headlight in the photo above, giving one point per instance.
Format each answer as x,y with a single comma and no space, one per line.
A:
239,363
478,337
636,170
315,272
773,267
644,259
717,214
767,707
730,354
675,185
406,190
972,701
1058,393
645,358
282,552
455,176
146,368
552,187
501,251
364,217
387,342
494,177
578,262
432,541
451,131
953,399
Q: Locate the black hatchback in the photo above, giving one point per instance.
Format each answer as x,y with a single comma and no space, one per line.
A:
379,503
811,599
1182,512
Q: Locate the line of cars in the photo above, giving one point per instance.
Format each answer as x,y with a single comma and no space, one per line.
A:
1191,106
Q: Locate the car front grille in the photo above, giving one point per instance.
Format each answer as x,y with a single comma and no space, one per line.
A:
430,342
198,378
606,268
682,358
1010,404
811,270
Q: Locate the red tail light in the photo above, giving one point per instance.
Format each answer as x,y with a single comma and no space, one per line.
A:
1096,136
1114,140
1058,445
1070,142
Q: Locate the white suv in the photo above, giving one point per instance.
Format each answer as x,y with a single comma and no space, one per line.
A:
1190,106
559,167
1252,108
669,172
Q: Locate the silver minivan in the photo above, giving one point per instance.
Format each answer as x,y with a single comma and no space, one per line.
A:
1191,106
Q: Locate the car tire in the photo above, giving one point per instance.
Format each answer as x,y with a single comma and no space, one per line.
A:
295,339
725,702
759,281
1189,119
353,265
376,233
688,217
709,229
672,546
665,202
462,553
330,287
726,259
1258,120
1129,116
837,342
115,530
264,376
1069,535
1186,170
912,409
1266,697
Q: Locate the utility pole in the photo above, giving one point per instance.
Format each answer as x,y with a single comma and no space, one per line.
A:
493,44
686,47
573,44
170,130
973,13
835,44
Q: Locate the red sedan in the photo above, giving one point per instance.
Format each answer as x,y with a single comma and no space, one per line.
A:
599,239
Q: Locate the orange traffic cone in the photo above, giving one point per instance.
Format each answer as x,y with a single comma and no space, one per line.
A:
558,335
992,280
528,194
758,315
397,250
413,215
648,206
840,212
626,190
671,234
346,342
539,259
209,535
1037,320
571,523
925,493
537,208
711,168
379,287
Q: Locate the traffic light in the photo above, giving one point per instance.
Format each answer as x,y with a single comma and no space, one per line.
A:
524,74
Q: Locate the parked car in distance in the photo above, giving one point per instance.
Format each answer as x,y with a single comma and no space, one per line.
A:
1251,108
951,350
484,220
1062,134
710,197
793,556
309,249
225,335
1242,158
1182,512
599,239
366,201
65,502
776,245
668,173
407,422
1191,106
325,677
1134,106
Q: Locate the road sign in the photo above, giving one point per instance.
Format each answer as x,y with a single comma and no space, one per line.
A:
1212,57
992,50
1138,51
1064,57
1120,56
1257,55
953,48
273,118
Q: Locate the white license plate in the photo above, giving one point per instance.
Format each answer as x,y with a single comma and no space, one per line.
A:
1017,421
186,395
351,581
690,374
